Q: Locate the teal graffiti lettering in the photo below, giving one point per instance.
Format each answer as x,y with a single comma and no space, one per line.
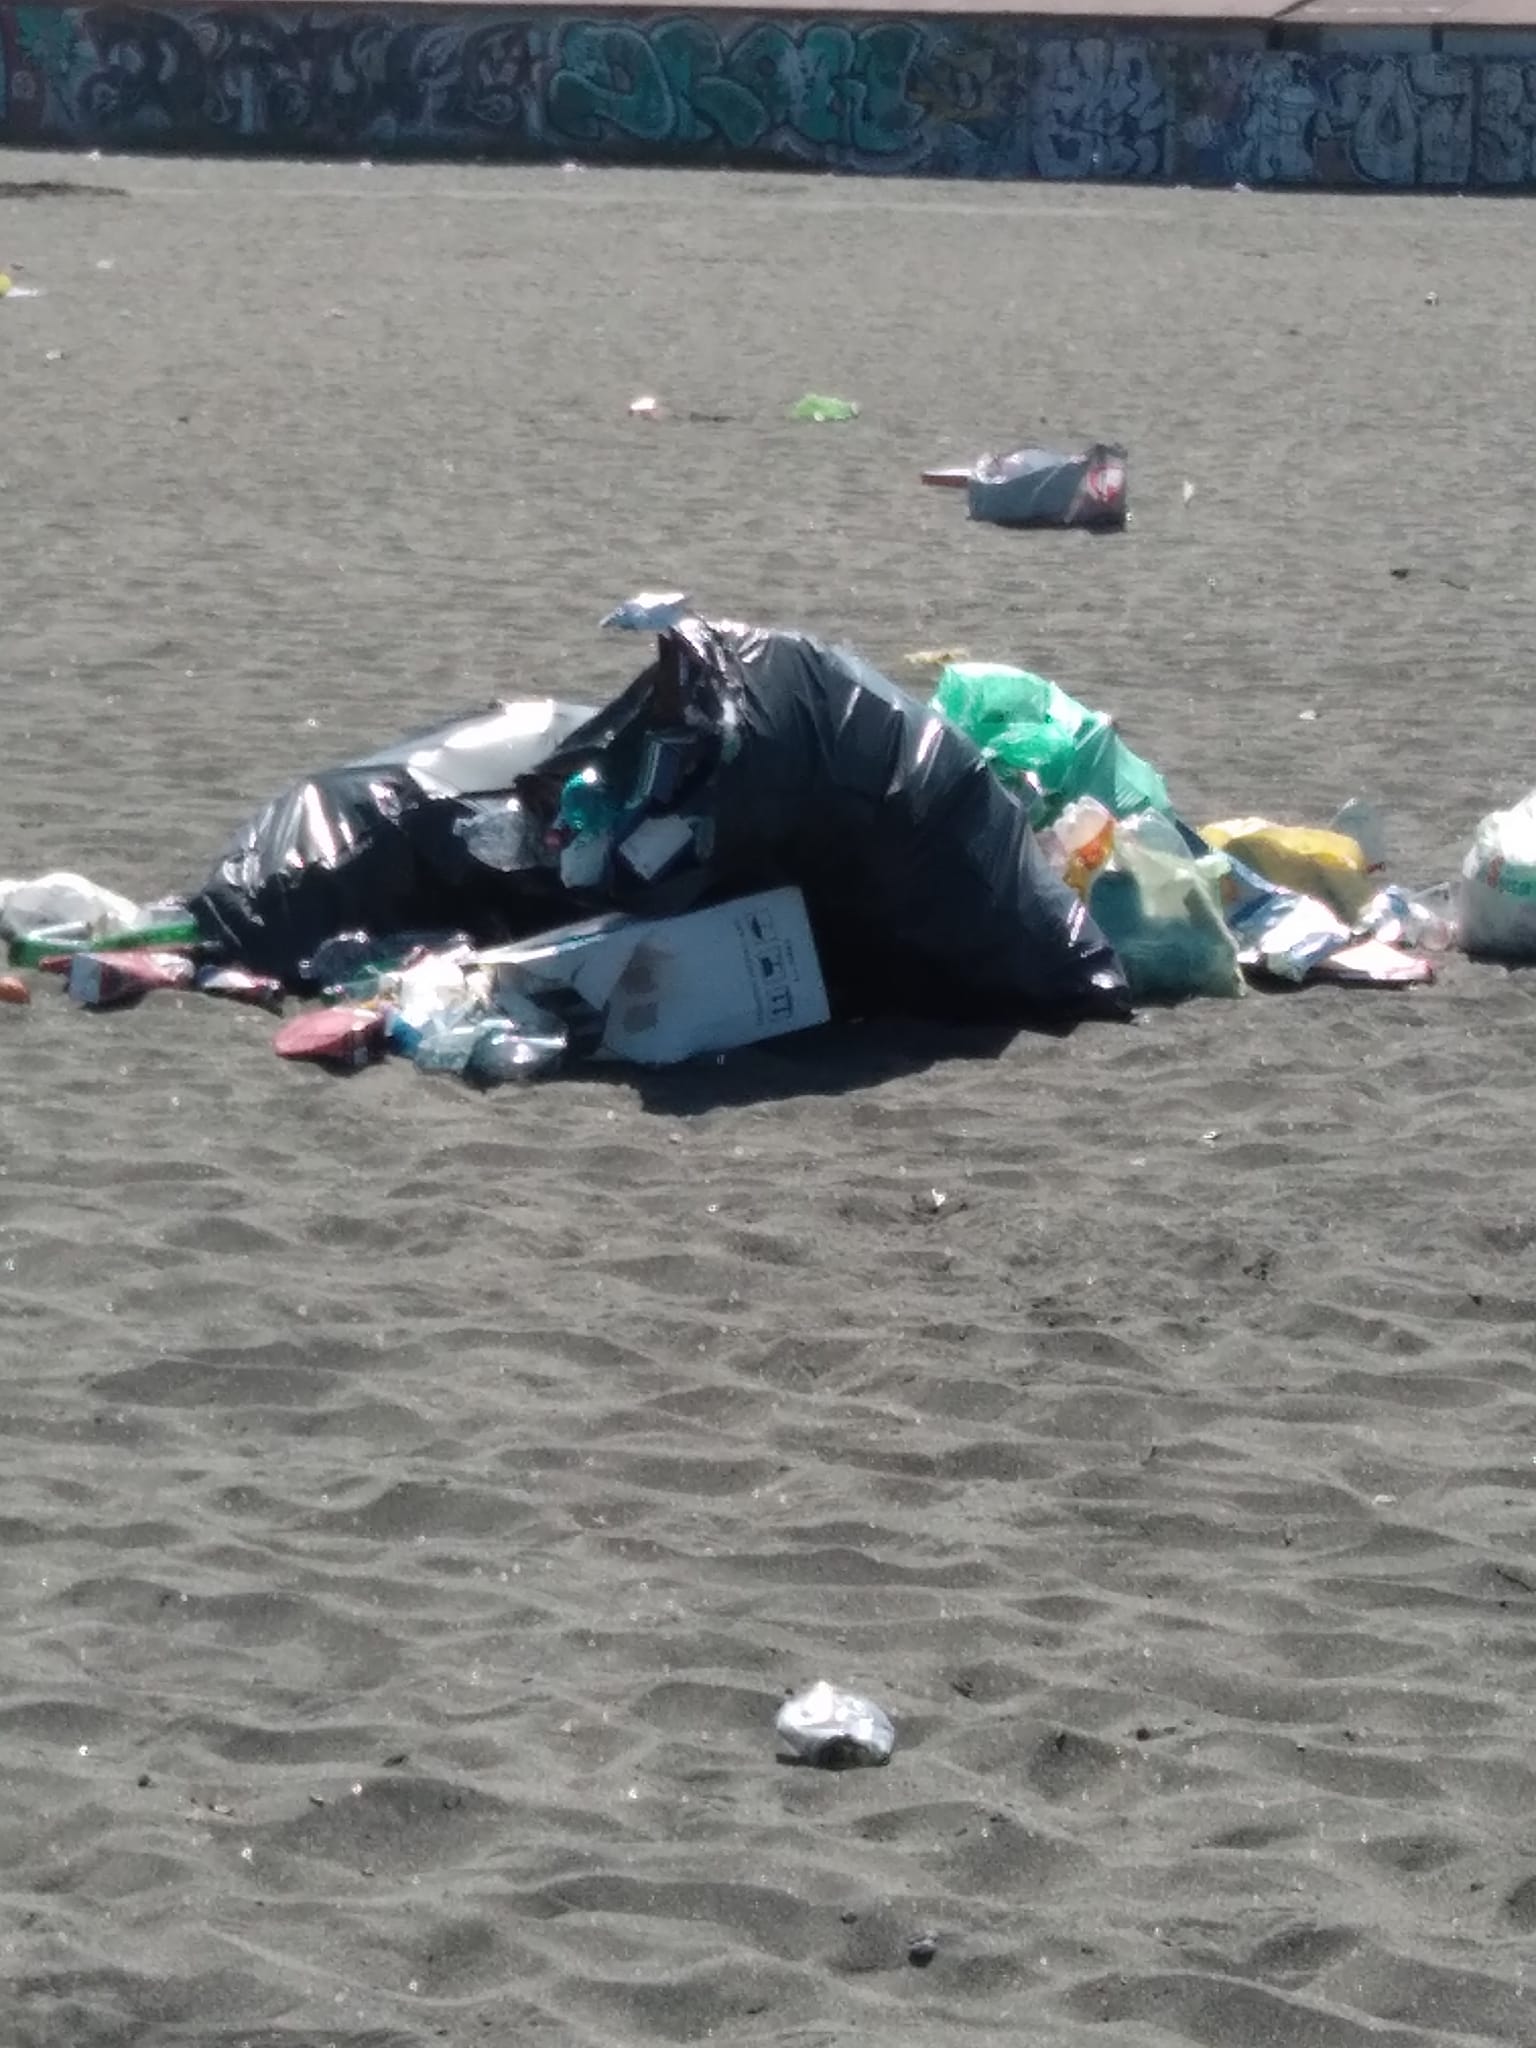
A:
827,56
883,118
46,36
766,63
677,83
609,78
708,101
854,88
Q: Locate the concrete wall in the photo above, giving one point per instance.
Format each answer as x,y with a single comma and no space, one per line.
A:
929,94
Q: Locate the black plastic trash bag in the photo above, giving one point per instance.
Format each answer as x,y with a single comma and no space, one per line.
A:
740,760
802,764
379,845
1035,487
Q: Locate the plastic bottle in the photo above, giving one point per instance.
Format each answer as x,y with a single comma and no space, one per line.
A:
485,1046
341,959
589,813
171,935
1085,832
587,805
38,947
180,934
1426,921
446,1041
357,966
507,1051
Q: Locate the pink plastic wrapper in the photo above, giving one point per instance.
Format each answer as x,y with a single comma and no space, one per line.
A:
340,1037
97,980
1374,964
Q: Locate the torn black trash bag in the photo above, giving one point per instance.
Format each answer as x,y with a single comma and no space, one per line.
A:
926,889
797,764
352,849
376,845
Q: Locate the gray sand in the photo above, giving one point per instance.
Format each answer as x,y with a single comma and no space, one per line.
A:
415,1504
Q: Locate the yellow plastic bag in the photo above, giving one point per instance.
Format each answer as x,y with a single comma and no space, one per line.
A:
1328,866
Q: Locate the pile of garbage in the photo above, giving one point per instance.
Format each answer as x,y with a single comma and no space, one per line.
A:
759,834
1192,912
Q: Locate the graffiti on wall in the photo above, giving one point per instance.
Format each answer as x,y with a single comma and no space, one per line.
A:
1287,119
936,95
821,89
1506,125
1100,109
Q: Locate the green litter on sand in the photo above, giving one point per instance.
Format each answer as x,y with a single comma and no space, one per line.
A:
812,407
1036,736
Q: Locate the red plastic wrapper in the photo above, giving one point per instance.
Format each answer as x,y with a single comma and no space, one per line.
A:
99,979
339,1037
13,989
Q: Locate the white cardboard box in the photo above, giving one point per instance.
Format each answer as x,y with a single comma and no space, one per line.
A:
671,988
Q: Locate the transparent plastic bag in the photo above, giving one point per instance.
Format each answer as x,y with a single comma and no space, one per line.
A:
1158,905
62,901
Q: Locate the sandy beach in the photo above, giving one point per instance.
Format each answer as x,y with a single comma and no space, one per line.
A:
415,1504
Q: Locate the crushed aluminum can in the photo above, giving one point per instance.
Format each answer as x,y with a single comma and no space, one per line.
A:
836,1730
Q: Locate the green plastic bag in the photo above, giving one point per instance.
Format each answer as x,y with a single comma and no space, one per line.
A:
1031,730
814,407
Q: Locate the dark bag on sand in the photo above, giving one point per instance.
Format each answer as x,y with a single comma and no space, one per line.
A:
802,764
378,845
352,849
786,762
1035,487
